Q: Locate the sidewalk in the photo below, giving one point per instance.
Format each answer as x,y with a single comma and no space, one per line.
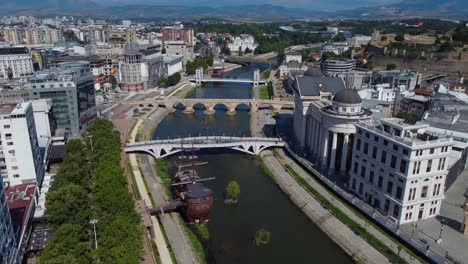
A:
157,235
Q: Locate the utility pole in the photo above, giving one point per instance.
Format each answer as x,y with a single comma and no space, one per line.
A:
94,222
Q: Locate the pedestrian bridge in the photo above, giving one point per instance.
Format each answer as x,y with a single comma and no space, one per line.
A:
231,80
163,148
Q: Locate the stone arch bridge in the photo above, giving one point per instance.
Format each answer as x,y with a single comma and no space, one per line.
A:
210,104
163,148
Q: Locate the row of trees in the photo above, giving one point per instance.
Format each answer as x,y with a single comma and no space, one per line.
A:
91,185
203,62
170,81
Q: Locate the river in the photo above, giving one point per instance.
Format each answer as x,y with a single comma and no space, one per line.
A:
262,204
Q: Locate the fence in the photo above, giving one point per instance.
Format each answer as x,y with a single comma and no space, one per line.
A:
434,252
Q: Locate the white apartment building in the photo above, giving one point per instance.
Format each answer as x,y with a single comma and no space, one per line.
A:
399,169
15,62
358,41
44,121
242,43
21,160
293,56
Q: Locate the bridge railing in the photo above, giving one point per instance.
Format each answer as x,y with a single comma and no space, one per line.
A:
202,140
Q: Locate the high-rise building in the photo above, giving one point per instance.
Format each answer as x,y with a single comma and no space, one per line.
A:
70,86
7,235
15,62
399,169
22,161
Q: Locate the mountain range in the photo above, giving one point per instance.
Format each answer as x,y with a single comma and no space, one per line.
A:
406,8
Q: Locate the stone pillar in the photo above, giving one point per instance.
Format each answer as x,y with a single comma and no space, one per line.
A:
318,146
344,155
189,109
231,110
312,136
325,148
253,107
209,109
333,151
317,139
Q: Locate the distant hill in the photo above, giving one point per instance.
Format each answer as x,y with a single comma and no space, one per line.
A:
406,8
14,5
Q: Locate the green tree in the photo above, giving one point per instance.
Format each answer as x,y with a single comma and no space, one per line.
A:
232,191
68,204
247,51
239,52
399,37
391,66
163,50
262,236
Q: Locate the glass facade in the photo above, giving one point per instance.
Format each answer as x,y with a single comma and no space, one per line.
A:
7,236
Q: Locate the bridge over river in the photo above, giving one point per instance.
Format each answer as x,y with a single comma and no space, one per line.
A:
163,148
209,104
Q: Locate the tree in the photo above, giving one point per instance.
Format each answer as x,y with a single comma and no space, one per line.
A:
239,52
247,51
262,236
391,66
163,50
399,37
68,204
232,191
226,51
339,37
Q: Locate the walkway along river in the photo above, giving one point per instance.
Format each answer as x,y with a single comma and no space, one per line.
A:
262,205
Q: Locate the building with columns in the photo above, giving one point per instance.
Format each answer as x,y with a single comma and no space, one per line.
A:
324,117
399,169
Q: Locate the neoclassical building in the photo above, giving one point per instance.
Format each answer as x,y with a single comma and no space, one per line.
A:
324,117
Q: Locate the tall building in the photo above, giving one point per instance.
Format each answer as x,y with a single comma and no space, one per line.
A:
179,48
179,33
324,117
399,169
140,70
334,66
22,159
15,62
7,235
70,86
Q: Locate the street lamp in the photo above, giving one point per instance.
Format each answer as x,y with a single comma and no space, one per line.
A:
94,222
442,223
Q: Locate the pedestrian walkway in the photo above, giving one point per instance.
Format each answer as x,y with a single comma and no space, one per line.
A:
157,232
345,209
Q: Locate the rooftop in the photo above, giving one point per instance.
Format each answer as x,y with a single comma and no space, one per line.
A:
313,86
13,50
20,198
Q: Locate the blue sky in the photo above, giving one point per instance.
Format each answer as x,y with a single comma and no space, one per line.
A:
329,5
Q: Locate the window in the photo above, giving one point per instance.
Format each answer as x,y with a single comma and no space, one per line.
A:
6,126
419,152
396,211
409,216
371,176
356,167
441,164
395,147
353,184
424,192
380,181
385,142
366,147
436,190
405,151
387,205
10,143
389,187
416,167
399,192
431,151
14,167
363,171
15,175
361,187
429,166
393,162
383,158
374,152
403,166
367,134
358,144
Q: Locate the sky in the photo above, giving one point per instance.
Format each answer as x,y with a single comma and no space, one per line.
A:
328,5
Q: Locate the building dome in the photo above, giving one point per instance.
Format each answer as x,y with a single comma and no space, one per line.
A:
347,96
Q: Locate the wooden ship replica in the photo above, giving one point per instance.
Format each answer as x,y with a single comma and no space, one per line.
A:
191,197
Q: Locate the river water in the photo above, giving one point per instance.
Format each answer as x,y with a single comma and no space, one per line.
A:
262,204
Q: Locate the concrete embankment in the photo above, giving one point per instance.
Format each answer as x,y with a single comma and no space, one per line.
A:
350,242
